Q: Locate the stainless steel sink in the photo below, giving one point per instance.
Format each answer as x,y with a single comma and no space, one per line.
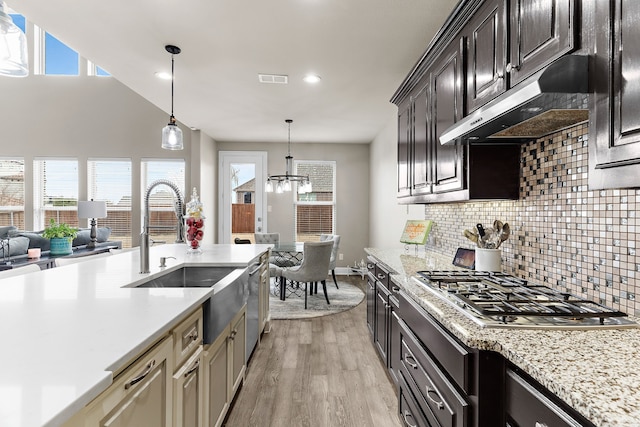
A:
189,277
230,286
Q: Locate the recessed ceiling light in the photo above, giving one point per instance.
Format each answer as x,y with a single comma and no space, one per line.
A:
311,78
163,75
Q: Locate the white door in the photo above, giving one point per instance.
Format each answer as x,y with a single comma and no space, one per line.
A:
242,209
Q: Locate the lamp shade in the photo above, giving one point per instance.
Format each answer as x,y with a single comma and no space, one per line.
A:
92,209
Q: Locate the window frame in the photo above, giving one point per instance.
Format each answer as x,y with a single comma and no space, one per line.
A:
10,208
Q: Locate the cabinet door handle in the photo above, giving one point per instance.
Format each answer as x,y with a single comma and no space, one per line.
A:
409,360
193,368
233,334
142,376
193,335
395,289
510,68
438,403
406,415
381,276
370,266
539,424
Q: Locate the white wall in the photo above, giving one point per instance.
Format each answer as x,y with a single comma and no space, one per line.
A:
386,217
352,193
82,117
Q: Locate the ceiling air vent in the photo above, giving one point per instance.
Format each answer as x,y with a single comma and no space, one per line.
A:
273,78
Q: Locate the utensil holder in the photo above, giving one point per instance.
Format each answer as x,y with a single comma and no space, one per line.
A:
488,259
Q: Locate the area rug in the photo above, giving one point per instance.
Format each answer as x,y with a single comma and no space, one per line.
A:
348,296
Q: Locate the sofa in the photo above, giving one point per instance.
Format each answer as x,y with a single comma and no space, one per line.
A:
21,241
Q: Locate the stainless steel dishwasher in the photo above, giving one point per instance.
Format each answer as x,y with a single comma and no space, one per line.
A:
253,276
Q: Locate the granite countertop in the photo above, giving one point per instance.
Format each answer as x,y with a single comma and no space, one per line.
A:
65,330
596,372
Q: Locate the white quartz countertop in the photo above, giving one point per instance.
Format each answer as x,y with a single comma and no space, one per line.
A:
597,372
65,330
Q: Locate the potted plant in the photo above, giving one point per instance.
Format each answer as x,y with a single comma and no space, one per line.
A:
61,235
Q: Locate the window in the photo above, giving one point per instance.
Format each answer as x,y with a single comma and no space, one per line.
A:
162,216
94,70
110,180
59,59
315,211
12,192
55,191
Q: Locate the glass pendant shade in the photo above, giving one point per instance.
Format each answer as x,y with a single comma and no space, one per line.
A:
286,186
171,133
268,186
279,189
14,59
172,136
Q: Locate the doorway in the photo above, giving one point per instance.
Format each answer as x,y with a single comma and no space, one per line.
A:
242,210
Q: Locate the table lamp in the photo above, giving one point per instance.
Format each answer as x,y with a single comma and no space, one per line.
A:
92,209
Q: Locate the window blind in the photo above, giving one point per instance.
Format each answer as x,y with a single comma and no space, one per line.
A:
12,192
110,181
315,211
162,218
55,191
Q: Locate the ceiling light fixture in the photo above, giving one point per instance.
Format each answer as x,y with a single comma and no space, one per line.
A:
311,78
171,133
14,59
283,182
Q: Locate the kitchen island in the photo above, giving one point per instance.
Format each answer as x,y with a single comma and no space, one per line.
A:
595,372
67,330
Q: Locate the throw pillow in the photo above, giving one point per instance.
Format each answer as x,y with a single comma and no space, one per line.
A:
35,239
83,238
17,246
4,231
103,234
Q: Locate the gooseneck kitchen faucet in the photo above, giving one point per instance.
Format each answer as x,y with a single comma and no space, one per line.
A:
144,237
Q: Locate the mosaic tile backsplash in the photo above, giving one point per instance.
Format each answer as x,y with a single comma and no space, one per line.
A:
562,234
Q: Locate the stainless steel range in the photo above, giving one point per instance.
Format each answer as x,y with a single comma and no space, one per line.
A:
499,300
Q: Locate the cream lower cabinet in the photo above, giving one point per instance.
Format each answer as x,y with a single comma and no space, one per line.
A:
224,369
140,396
188,390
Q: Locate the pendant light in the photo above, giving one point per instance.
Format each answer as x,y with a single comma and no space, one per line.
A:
171,133
14,60
284,182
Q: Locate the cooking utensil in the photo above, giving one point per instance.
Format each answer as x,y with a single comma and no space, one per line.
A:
471,236
504,234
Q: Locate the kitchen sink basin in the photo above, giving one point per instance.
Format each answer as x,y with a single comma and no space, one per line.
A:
189,277
230,292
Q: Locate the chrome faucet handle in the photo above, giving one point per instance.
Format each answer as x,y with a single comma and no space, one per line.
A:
163,260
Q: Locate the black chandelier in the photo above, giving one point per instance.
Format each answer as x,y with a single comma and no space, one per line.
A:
282,183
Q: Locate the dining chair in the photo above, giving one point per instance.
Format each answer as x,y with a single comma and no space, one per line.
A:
335,238
239,241
314,268
267,238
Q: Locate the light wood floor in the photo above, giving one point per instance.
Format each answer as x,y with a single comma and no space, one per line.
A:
317,372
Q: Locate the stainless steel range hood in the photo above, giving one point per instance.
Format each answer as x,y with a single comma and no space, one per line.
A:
552,99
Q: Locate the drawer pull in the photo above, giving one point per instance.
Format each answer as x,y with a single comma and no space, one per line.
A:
370,266
192,369
381,276
395,289
193,335
539,424
232,336
409,360
142,376
438,403
406,415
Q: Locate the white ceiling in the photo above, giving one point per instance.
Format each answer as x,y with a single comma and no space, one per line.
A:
362,49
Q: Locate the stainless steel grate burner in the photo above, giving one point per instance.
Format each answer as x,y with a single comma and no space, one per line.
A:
501,300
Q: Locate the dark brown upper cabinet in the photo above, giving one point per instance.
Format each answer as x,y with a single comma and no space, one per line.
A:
537,33
540,31
405,131
447,161
614,140
486,54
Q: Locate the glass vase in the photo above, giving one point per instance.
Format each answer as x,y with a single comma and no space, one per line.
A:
194,232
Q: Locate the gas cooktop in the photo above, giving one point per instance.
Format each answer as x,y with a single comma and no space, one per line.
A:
503,301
